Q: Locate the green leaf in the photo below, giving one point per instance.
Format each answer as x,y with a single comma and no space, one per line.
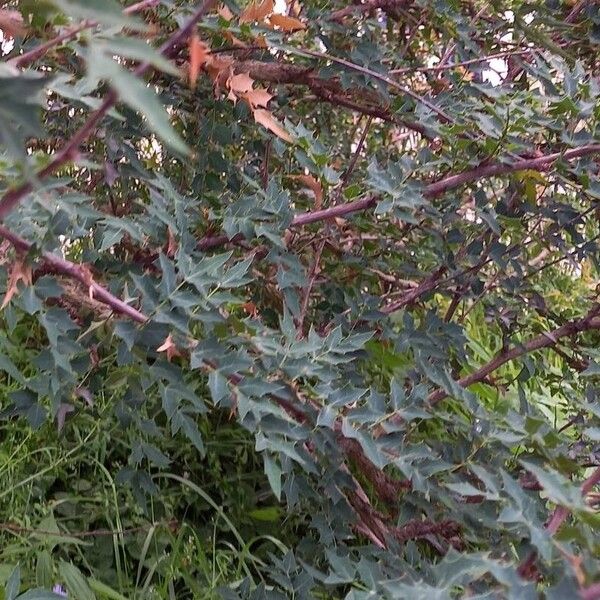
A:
559,488
40,594
104,591
108,12
75,582
136,94
11,589
273,472
268,513
138,50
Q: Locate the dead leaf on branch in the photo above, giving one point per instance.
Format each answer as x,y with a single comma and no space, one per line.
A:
315,187
169,347
257,11
238,85
225,13
267,120
219,69
258,97
286,23
19,271
11,23
199,56
172,244
235,42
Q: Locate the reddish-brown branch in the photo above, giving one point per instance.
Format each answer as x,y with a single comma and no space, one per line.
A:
315,216
386,487
329,90
423,288
68,152
492,170
79,273
589,322
432,190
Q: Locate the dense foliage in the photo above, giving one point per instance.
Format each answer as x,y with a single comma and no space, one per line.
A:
301,299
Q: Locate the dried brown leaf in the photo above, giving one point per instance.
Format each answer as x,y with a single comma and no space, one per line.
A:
225,13
257,97
239,85
11,23
315,187
261,41
286,23
257,11
235,42
219,70
169,347
19,271
199,56
172,244
267,120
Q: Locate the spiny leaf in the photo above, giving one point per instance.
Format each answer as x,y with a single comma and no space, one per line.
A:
108,12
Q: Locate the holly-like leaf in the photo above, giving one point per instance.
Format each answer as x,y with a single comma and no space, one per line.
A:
108,12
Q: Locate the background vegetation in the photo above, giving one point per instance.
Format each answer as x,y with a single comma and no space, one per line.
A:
300,299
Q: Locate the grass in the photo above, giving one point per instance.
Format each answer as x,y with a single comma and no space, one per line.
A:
213,522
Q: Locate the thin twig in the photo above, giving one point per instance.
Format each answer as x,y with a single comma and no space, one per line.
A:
456,65
355,156
432,190
314,271
14,528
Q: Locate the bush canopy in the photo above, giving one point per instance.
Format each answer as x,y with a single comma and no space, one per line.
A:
300,299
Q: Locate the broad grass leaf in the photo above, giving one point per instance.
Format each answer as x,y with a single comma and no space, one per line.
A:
75,582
